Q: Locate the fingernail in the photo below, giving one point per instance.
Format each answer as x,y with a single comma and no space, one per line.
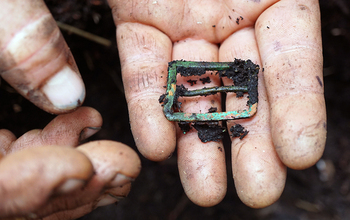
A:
120,180
106,200
118,198
69,186
65,90
88,132
32,216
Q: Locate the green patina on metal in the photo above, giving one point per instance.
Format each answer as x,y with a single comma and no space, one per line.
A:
225,69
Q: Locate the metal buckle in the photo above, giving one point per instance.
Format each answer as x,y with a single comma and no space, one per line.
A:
245,79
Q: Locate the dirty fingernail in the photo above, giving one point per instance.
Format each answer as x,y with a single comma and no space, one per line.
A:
32,216
69,186
65,90
88,132
106,200
120,180
118,198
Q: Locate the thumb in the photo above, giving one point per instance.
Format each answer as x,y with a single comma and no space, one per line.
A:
35,59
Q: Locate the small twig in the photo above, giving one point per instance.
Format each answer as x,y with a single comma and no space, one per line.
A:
85,34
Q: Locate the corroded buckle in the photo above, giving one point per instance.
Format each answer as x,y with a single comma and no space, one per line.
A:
245,80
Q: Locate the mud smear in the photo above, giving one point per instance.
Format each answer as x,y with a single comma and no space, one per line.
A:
209,131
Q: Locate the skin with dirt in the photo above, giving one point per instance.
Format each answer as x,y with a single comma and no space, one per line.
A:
306,196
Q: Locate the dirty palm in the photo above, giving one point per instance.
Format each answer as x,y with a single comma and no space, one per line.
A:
288,130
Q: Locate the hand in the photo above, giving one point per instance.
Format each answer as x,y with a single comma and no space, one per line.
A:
289,129
45,174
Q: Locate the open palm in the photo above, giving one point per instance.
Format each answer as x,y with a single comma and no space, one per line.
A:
289,129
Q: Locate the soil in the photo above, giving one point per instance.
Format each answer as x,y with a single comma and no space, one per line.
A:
244,73
205,80
321,192
185,126
212,109
238,131
189,71
209,131
192,82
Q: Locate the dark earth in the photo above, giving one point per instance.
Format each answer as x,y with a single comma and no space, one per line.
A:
320,192
205,80
209,131
238,131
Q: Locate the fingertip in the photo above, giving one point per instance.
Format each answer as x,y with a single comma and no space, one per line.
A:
258,173
156,148
202,169
87,116
207,198
65,90
39,64
6,139
6,135
111,158
48,168
69,129
154,135
300,130
304,151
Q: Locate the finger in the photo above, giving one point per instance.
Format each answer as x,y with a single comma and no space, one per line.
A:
64,130
291,54
201,165
111,196
70,129
35,59
258,172
6,139
114,162
144,55
213,21
39,172
115,165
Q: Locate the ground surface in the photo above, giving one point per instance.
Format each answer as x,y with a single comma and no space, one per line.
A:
157,193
